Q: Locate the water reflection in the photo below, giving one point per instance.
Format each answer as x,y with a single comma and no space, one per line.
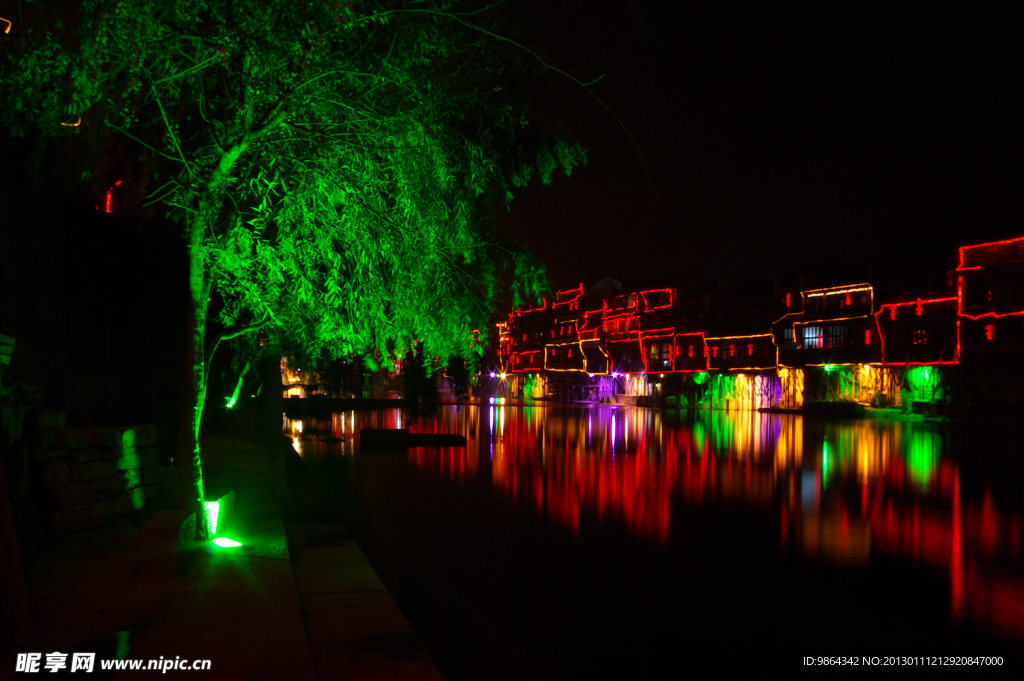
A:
842,492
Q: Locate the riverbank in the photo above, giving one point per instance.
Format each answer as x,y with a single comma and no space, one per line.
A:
297,599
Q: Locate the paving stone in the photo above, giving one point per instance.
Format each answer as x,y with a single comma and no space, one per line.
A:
116,452
153,492
335,569
74,439
78,493
152,474
96,469
106,510
132,500
145,435
84,455
46,455
55,474
120,438
51,418
72,519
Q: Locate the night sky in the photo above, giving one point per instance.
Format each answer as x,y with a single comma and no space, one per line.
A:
771,134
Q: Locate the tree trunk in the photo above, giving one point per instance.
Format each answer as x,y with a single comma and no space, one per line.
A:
190,465
271,403
189,461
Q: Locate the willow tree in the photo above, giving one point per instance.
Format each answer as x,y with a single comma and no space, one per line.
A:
333,165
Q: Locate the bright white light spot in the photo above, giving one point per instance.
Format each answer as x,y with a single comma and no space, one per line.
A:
493,374
226,543
490,400
502,400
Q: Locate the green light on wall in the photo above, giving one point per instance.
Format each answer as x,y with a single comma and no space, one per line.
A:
700,377
212,514
829,367
138,497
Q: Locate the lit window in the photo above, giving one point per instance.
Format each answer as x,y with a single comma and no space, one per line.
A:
813,337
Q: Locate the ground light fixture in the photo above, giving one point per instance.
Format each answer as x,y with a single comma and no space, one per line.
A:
226,543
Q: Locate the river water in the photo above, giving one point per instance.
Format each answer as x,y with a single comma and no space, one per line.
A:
614,542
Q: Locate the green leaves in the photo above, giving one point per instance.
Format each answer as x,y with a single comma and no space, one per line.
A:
342,161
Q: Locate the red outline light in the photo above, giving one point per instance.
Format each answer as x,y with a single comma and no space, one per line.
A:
961,267
919,305
558,294
647,306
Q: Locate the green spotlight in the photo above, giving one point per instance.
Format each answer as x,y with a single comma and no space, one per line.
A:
212,514
226,543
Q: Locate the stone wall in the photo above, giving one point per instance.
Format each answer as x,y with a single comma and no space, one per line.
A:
85,479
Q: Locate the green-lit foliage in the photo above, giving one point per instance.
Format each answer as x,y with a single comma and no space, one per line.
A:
342,159
924,383
531,386
334,165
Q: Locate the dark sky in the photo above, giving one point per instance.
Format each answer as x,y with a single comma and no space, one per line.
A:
771,133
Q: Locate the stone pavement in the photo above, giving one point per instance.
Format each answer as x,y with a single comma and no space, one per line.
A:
296,601
354,628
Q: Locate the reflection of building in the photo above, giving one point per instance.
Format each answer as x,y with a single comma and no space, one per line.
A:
845,493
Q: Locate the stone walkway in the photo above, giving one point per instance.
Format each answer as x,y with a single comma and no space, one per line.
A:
354,628
298,600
